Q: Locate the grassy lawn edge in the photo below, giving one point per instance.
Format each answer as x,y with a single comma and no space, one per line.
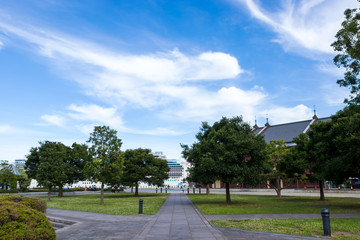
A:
114,203
341,228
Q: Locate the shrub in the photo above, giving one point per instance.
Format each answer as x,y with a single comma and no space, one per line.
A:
32,202
19,221
9,191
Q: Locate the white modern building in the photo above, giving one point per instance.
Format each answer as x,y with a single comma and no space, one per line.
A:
20,164
177,174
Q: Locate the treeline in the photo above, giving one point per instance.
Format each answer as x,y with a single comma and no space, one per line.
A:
54,164
229,151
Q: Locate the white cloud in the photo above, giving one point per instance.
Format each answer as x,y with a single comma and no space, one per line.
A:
54,120
171,84
6,129
95,114
334,95
279,115
304,24
331,69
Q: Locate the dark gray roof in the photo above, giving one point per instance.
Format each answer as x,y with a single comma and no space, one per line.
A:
325,119
257,131
285,131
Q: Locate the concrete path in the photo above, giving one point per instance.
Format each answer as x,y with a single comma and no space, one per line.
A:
178,218
86,225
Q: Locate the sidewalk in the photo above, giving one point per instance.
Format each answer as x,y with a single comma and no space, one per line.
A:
178,218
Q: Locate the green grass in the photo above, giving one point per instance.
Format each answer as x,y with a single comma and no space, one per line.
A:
250,204
341,228
115,203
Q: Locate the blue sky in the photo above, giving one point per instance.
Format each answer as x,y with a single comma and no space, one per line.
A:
154,70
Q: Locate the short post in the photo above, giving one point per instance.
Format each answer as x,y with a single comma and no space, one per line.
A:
199,190
188,190
193,190
141,206
325,214
160,190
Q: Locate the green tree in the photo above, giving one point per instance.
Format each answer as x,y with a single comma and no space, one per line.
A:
71,160
345,141
106,165
348,44
202,166
237,153
141,166
275,155
50,165
7,177
24,180
79,156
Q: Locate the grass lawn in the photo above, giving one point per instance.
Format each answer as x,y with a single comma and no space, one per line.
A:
115,203
251,204
340,228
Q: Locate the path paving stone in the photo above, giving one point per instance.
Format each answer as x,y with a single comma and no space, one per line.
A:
178,218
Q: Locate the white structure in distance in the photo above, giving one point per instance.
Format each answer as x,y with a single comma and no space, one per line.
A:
177,174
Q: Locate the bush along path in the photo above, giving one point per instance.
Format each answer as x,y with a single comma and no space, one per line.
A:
23,218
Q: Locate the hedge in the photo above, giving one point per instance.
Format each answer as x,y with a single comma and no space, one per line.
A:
23,218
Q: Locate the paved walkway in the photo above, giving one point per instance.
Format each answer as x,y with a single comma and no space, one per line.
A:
178,218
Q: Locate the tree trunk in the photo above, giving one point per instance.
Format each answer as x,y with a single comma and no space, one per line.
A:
207,189
321,186
278,187
49,193
102,194
132,189
61,192
228,200
136,190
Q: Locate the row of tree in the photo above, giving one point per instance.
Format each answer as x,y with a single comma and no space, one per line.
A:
230,152
54,164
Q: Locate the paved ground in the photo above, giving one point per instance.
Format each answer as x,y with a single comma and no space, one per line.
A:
178,218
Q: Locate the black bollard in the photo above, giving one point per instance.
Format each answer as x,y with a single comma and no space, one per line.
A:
199,190
188,190
161,190
193,190
141,206
325,214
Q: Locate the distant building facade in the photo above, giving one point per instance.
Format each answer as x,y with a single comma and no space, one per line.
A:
20,164
177,172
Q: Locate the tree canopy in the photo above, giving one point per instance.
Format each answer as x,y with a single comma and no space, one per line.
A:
275,156
233,152
348,44
106,165
141,166
345,142
49,165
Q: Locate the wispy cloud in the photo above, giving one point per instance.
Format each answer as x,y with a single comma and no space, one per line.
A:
279,115
305,24
54,120
171,84
6,129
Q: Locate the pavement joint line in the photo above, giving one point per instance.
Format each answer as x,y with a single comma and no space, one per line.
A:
213,231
